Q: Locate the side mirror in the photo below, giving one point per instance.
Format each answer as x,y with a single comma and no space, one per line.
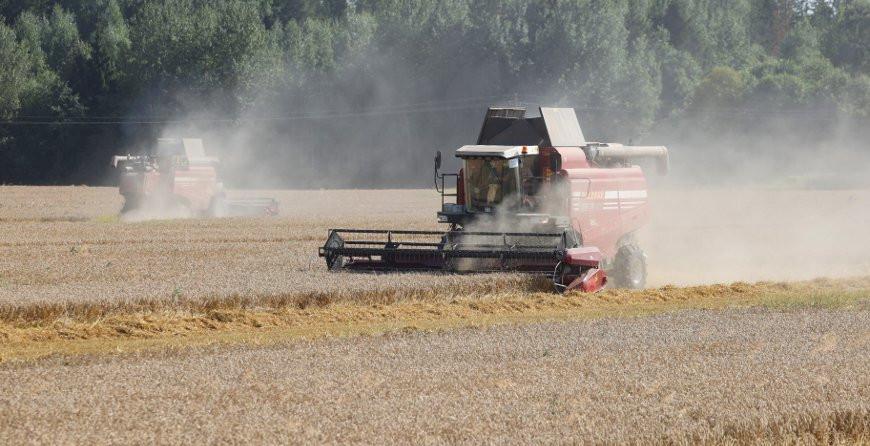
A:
437,160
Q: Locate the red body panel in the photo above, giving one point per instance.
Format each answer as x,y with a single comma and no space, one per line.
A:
195,186
588,256
604,203
592,280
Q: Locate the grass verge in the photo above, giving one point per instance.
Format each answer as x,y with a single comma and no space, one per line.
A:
231,321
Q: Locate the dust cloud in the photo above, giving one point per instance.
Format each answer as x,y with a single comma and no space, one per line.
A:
157,208
785,198
752,194
723,235
771,205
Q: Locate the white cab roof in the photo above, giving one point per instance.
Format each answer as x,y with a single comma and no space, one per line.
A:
496,151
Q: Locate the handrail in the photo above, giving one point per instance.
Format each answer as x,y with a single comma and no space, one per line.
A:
441,176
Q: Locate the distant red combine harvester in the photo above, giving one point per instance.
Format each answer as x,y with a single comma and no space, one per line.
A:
180,177
532,196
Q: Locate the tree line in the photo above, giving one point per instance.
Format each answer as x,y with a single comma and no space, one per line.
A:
81,80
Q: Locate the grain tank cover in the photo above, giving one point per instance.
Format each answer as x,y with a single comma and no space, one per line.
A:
562,127
508,126
193,148
556,127
190,149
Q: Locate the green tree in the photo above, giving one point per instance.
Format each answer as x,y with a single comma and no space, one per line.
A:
722,87
111,42
182,49
802,42
310,46
13,72
856,96
848,41
34,91
628,65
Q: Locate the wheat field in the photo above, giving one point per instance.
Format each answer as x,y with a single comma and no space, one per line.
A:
232,331
66,245
696,377
97,258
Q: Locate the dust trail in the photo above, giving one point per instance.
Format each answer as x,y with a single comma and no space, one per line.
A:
157,209
707,236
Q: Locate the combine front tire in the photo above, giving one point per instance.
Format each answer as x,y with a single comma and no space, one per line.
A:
629,268
130,204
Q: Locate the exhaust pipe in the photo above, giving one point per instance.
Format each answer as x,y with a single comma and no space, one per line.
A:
620,152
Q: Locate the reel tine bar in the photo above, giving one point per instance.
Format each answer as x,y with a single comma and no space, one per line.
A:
466,251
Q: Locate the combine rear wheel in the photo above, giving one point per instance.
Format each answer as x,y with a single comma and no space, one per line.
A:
629,267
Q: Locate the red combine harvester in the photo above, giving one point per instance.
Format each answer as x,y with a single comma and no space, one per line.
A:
180,180
532,196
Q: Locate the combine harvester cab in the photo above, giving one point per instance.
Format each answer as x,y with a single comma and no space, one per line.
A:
532,196
180,180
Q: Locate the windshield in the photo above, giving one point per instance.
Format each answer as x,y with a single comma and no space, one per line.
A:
489,182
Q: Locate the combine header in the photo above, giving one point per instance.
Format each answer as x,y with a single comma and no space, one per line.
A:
532,196
180,177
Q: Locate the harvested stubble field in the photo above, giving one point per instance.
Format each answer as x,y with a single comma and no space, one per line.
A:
731,377
76,284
